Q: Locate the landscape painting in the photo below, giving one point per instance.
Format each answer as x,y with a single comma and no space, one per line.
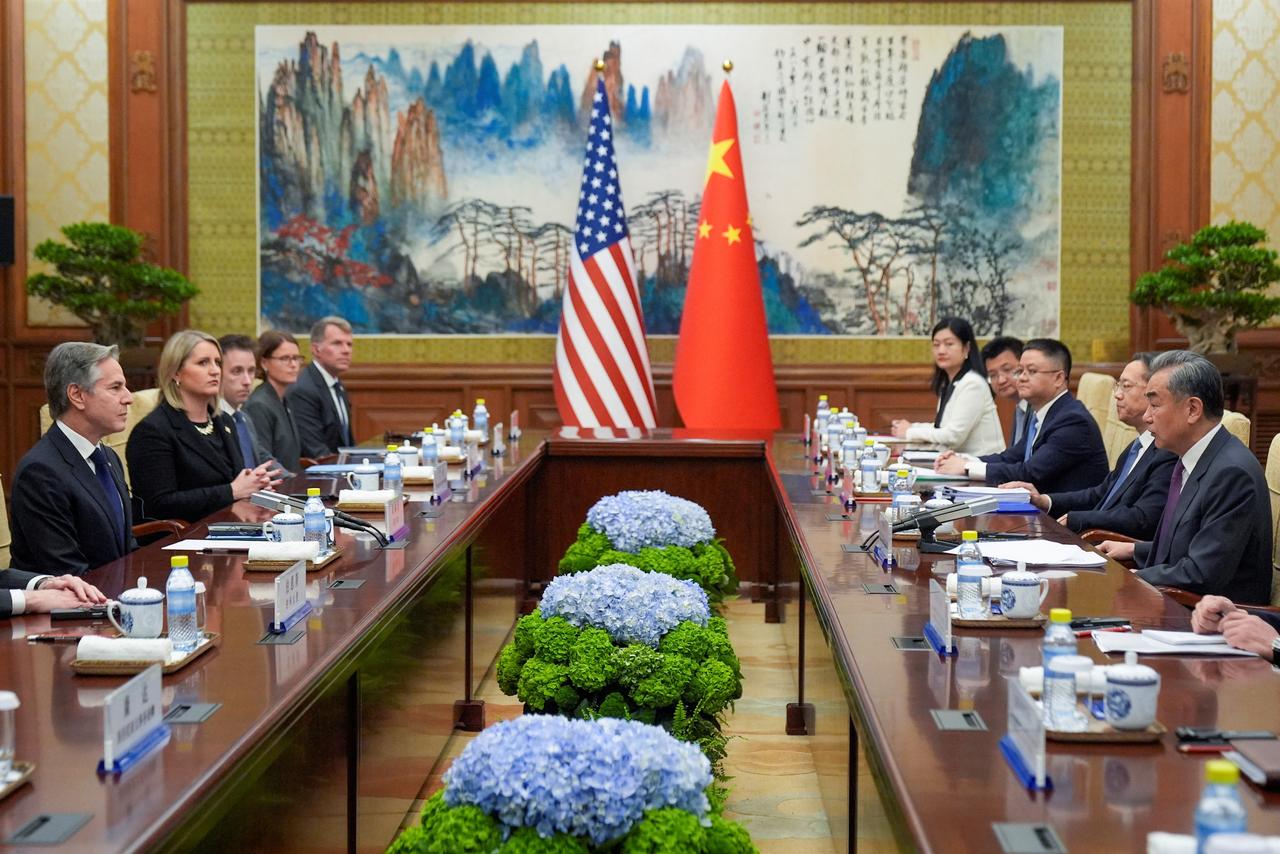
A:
423,180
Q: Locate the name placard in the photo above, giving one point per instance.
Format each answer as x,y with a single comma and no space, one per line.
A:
291,598
133,724
1023,744
514,433
440,483
938,629
475,459
393,515
804,434
499,445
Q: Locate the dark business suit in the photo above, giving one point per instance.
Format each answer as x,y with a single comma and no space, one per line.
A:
61,520
178,473
1220,537
319,426
1067,452
13,579
1133,511
275,427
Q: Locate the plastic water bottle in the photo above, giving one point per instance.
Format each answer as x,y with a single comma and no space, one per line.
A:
849,446
180,599
430,450
870,468
1058,637
314,527
1220,809
442,437
392,476
900,489
835,435
1058,699
970,570
824,412
457,425
480,417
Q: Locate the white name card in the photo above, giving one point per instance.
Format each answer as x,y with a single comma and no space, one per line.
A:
514,434
475,460
1025,736
499,445
804,434
393,515
940,615
291,596
130,714
440,483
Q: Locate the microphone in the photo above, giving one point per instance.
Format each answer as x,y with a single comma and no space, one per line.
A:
275,501
929,520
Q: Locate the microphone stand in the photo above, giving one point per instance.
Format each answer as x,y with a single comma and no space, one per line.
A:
276,501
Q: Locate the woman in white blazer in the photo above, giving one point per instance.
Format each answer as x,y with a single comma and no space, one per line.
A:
967,421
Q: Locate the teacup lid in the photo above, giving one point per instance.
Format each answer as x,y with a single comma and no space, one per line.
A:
142,594
286,518
1131,672
8,701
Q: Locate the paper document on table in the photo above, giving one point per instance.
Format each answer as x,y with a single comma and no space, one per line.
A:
1037,552
1006,496
1148,643
924,458
212,545
1182,638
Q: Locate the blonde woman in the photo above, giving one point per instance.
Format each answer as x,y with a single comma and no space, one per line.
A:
184,458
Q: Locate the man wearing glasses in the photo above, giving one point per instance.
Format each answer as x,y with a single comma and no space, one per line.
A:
1133,496
1061,449
1000,357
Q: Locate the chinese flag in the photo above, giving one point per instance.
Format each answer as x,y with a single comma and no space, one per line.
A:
723,375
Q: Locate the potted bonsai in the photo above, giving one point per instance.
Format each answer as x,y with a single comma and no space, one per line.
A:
1214,286
100,277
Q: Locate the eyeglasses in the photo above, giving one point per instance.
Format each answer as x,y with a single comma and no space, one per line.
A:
1126,386
291,360
1032,373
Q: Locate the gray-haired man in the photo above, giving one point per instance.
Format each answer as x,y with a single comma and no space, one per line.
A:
1214,536
71,510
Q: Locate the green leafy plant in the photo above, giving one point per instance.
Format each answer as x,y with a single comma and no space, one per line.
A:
707,564
101,278
1215,285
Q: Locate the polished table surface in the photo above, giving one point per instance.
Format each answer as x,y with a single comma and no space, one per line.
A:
950,787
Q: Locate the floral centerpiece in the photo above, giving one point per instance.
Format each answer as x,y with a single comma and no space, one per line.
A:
658,532
541,783
620,642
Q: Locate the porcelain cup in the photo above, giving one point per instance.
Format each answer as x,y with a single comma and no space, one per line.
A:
1021,594
1131,694
284,528
140,610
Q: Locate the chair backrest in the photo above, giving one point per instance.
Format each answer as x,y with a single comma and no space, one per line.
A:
144,401
1116,435
1094,391
6,537
1239,426
1273,490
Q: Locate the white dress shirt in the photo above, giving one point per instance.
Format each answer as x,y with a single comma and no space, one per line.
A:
331,381
1196,451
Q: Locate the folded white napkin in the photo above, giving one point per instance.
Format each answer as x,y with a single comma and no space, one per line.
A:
415,473
309,550
97,648
367,496
476,436
451,453
991,585
1032,679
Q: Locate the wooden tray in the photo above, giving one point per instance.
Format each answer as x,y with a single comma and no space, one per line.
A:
131,668
282,565
1101,732
907,535
367,508
24,770
999,621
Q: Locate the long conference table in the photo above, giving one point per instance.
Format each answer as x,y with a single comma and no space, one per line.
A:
324,744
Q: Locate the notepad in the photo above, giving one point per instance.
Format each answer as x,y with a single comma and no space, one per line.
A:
1166,643
1037,552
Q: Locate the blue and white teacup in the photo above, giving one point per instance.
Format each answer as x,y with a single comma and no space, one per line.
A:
284,528
141,611
1131,694
1021,594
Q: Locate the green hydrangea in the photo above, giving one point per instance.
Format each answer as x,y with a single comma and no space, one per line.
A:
727,837
688,639
664,831
411,841
635,662
456,830
527,628
591,665
567,698
554,639
614,706
707,564
664,686
508,666
713,686
585,552
525,840
539,682
720,649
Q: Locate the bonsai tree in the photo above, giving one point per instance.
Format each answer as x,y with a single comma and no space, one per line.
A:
100,277
1215,285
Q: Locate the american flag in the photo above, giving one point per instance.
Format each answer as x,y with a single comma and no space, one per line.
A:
602,376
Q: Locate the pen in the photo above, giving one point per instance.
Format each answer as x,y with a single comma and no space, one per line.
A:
1086,632
53,638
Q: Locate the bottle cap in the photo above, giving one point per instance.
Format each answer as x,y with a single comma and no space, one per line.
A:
905,472
1221,771
391,447
822,397
313,492
174,562
970,536
869,442
480,401
200,588
8,701
1059,615
848,425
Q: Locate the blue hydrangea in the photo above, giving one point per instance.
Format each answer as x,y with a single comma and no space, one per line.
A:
590,779
632,605
635,519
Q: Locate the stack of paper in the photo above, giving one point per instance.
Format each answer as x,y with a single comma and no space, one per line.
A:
1037,552
1153,642
924,458
1006,496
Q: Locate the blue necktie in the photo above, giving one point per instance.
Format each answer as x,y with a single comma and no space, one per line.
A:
110,492
246,441
1129,459
1031,436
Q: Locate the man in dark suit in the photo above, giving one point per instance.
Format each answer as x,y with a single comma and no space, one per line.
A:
318,400
31,593
1132,497
1214,536
71,508
1258,633
1062,447
239,367
1000,356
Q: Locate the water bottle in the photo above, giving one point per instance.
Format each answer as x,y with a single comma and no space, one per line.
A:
180,596
8,731
824,412
849,446
1220,809
457,425
480,417
392,476
835,435
970,570
1058,698
1058,637
442,437
900,486
430,450
870,468
314,527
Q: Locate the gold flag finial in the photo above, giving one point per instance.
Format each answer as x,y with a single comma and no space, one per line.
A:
599,65
727,65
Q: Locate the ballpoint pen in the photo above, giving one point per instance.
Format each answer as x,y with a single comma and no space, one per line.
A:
54,638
